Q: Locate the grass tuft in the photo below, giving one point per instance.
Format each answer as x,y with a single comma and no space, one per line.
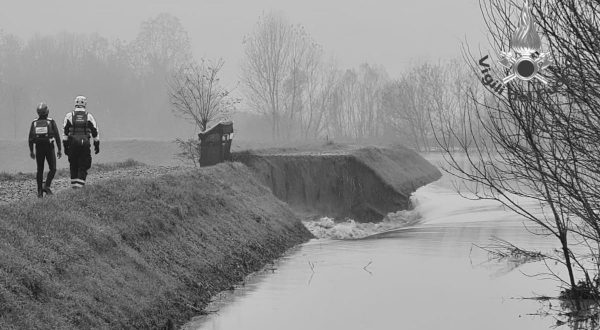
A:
5,176
128,163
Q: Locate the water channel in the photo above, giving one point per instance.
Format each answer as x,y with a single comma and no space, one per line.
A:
429,275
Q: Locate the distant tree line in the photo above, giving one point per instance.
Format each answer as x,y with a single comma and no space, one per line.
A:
287,78
125,81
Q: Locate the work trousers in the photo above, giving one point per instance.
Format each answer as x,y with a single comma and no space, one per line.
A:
80,161
44,151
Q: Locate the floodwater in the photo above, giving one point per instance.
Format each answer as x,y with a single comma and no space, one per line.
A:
426,276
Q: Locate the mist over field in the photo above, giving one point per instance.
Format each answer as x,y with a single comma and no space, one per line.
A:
121,55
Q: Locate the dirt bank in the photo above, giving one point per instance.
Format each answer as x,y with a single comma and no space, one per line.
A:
363,183
137,252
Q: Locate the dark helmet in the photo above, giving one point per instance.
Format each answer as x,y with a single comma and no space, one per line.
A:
42,109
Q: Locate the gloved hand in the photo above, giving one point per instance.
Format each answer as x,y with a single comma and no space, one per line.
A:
59,154
32,154
96,147
66,147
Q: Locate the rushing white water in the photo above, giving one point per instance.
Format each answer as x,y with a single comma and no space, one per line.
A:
436,203
350,229
419,269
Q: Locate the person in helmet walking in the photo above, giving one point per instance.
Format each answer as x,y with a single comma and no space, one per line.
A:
43,133
78,128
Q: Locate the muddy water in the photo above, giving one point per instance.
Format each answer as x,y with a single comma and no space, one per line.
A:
426,276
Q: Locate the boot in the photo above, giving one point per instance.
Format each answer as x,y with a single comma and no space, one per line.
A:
40,193
47,190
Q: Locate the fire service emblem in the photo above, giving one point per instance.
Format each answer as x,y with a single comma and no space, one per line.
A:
524,59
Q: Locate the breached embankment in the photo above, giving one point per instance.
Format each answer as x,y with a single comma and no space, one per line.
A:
137,253
364,184
151,252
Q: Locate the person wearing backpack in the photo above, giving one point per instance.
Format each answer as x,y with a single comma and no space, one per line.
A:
78,128
43,134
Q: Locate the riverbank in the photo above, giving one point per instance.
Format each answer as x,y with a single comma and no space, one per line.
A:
342,181
148,246
137,252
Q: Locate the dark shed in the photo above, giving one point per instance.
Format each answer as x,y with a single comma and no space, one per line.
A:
215,143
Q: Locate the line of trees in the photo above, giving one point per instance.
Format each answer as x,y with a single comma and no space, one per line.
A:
287,78
197,94
125,81
429,98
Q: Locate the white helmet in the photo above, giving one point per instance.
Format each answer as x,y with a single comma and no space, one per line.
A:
80,102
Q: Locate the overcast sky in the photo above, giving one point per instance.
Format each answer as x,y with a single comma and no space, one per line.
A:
392,33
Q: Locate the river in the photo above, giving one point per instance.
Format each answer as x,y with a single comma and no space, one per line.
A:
424,275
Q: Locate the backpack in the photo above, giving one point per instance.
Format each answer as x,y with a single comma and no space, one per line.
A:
79,132
43,130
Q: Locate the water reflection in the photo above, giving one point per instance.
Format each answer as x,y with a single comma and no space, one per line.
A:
429,276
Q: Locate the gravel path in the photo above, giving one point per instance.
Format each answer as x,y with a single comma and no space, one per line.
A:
21,188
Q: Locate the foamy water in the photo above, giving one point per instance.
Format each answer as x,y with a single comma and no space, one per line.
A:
350,229
436,203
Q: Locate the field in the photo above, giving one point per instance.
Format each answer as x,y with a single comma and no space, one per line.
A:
14,155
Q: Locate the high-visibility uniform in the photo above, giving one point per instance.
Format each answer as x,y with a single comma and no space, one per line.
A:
78,127
43,133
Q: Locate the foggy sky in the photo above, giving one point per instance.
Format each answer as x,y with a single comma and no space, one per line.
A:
392,33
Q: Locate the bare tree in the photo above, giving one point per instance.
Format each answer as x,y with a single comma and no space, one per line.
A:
321,82
196,93
543,140
265,66
340,119
370,99
276,72
425,98
356,104
403,116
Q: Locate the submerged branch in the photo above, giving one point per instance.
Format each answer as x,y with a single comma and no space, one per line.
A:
501,250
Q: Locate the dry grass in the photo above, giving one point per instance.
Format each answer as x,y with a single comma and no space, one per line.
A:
62,172
5,176
15,154
137,253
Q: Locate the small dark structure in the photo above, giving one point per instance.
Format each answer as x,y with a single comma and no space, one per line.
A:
215,144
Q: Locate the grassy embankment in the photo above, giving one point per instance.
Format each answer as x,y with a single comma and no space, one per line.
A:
137,253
